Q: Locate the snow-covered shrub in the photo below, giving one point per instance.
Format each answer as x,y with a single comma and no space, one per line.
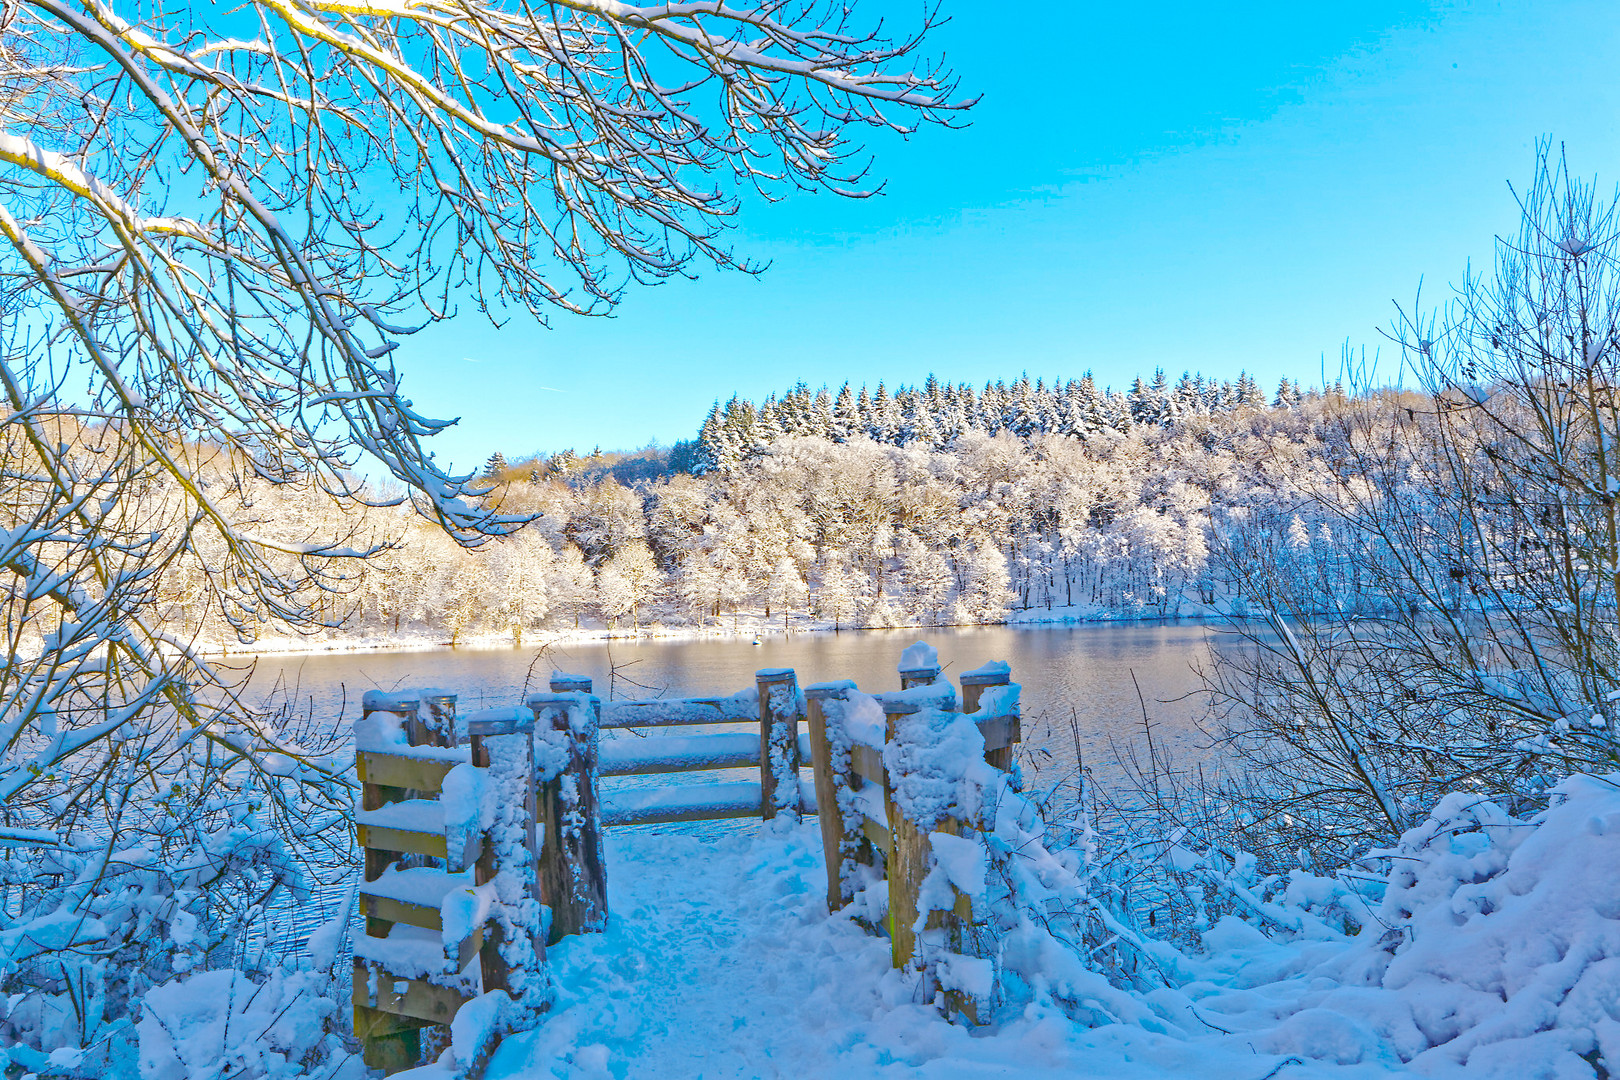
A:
1481,944
225,1023
1496,942
165,852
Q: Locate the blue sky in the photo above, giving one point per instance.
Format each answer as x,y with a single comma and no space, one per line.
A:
1193,186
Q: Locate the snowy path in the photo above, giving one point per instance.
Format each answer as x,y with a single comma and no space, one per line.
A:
722,962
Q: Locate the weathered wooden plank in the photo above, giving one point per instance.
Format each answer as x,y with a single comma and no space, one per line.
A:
429,918
372,1023
672,712
918,677
388,1043
699,809
376,838
572,875
1000,733
399,911
406,997
832,818
955,923
425,775
906,865
657,754
867,763
878,834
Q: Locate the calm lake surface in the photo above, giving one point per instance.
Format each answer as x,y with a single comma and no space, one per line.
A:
1079,698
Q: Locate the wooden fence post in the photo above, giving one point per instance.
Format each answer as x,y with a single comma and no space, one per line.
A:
1000,732
572,870
924,676
439,725
829,781
908,859
778,741
390,1043
496,971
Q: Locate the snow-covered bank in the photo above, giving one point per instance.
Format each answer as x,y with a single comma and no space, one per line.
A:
1481,946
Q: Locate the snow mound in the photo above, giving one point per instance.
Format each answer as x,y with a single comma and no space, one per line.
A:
222,1023
920,656
1502,936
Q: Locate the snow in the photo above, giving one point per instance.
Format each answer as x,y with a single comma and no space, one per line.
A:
658,712
919,657
412,952
562,682
725,750
418,885
994,669
936,766
629,805
722,962
1487,947
862,720
999,701
221,1023
462,911
384,701
407,815
380,731
963,862
463,804
940,695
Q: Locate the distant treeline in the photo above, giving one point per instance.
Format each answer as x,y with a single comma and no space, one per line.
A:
935,414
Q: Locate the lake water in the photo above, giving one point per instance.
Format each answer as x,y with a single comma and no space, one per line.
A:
1079,698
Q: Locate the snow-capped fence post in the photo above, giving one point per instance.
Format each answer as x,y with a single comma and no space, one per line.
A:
841,839
439,723
1000,726
572,869
918,676
497,972
908,855
779,707
922,787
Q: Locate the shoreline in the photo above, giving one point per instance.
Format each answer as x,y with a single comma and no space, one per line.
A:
293,646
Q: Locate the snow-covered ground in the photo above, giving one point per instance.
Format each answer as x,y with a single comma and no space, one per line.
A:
720,961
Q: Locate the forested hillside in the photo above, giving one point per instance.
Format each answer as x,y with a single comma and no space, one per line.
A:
931,505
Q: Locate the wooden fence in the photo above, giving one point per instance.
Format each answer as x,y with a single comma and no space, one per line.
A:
424,855
429,853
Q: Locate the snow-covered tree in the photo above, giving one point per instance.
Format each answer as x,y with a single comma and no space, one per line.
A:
985,595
